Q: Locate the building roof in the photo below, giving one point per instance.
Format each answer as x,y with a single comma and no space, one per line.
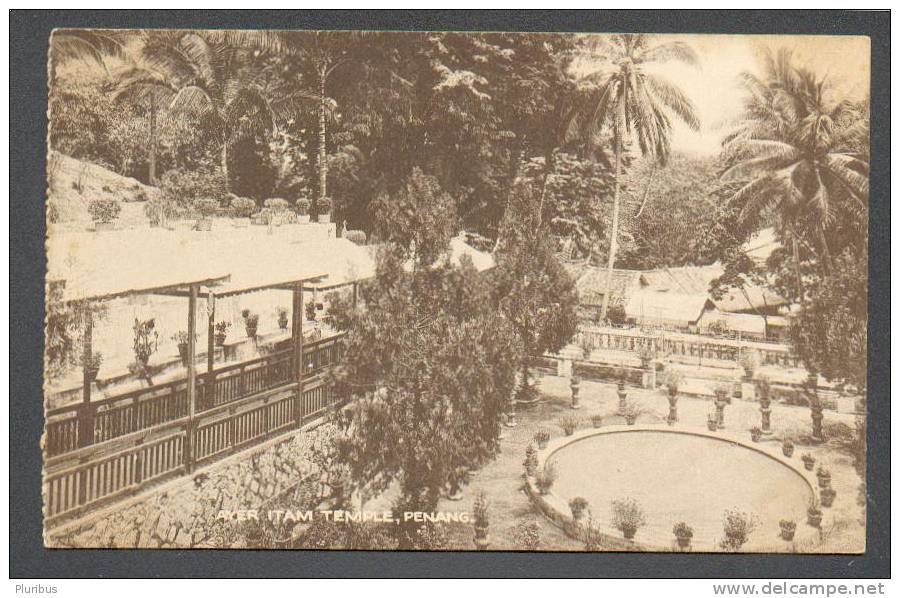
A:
745,323
590,281
665,305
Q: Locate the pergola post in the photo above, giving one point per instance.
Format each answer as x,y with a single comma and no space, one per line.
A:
191,379
210,386
297,337
355,294
86,415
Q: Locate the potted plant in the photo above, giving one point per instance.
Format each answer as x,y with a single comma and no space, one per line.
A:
578,506
827,496
749,361
597,420
282,318
251,322
809,461
92,365
620,391
242,207
763,392
814,514
222,332
480,514
323,205
568,423
311,310
542,437
627,517
631,413
205,208
683,534
545,478
672,381
531,461
574,386
302,206
145,341
737,527
788,527
276,208
646,354
787,447
104,212
824,477
712,422
755,433
181,338
722,392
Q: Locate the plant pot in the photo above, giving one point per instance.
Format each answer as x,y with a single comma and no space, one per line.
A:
220,339
183,353
104,226
597,423
711,426
577,515
283,323
481,538
683,541
755,436
324,218
787,534
92,373
630,419
827,497
303,218
808,465
629,532
542,445
251,331
569,432
814,519
824,481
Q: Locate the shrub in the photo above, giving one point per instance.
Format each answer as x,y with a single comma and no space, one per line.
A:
615,314
542,436
222,327
528,535
159,210
184,186
737,526
592,536
302,206
578,506
787,525
242,207
205,206
531,460
672,380
323,204
104,210
356,236
597,420
569,424
94,361
545,478
683,530
627,515
277,204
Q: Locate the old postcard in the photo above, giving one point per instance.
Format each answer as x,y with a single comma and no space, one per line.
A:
456,291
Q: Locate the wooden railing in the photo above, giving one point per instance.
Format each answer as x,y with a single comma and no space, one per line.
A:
146,408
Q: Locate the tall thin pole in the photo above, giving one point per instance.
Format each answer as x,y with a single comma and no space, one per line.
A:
210,386
86,420
297,337
191,379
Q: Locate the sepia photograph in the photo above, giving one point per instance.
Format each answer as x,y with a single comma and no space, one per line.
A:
456,291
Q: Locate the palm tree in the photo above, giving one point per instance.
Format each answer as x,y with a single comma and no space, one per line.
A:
801,156
88,45
626,97
216,80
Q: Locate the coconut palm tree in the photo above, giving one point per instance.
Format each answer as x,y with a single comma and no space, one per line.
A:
217,79
94,46
626,97
801,155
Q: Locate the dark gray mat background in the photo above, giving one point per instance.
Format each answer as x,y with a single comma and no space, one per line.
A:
29,34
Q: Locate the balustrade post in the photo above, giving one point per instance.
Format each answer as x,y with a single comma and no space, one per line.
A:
191,379
297,337
86,413
209,387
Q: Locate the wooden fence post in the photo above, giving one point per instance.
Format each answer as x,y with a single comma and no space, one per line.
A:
191,380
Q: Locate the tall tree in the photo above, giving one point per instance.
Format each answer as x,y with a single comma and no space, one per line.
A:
626,96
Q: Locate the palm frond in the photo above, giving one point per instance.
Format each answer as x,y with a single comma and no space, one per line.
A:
679,51
673,98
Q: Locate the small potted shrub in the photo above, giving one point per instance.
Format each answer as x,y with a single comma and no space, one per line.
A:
824,477
323,206
597,420
145,341
104,212
813,514
627,517
827,496
205,208
222,332
578,506
788,527
545,478
712,423
749,361
242,207
569,424
809,462
480,514
737,527
722,392
542,437
531,461
787,447
276,208
631,413
302,206
683,534
763,392
672,380
646,354
282,318
181,338
310,310
92,364
251,322
755,433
